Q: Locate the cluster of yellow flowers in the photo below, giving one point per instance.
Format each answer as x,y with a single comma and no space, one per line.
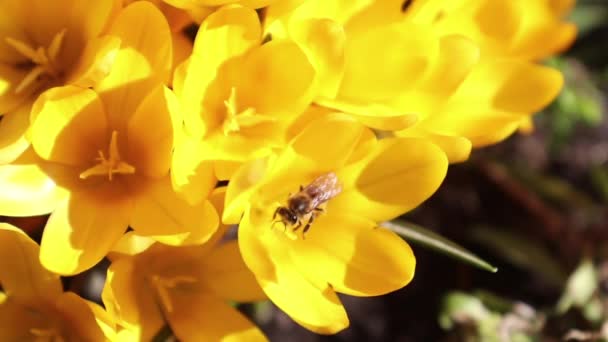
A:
324,118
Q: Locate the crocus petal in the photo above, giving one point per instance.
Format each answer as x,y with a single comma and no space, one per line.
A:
237,25
192,174
342,131
446,75
204,317
143,61
21,274
161,214
240,188
371,114
357,258
282,69
407,51
104,320
16,320
27,190
398,176
150,133
82,230
319,310
456,148
96,61
79,317
323,42
132,301
228,277
265,252
10,77
82,21
69,126
13,127
504,85
130,244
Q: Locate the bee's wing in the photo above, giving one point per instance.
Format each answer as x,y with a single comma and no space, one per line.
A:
323,188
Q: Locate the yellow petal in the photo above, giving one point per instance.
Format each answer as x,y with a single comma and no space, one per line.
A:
226,274
312,142
407,52
69,126
83,229
398,176
192,174
10,78
21,274
265,252
204,317
240,188
456,148
357,258
373,115
514,94
13,127
161,214
280,79
82,21
130,299
323,42
150,133
27,190
143,61
236,25
16,319
319,310
78,318
105,321
96,61
447,75
130,244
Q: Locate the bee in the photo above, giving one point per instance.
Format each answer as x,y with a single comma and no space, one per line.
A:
303,206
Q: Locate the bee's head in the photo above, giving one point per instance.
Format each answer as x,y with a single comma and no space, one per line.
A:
288,215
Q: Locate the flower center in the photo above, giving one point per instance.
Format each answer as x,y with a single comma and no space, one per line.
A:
164,285
46,335
235,118
110,165
42,62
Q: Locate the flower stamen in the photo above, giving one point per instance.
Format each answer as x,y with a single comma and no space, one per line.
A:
41,62
235,119
46,335
163,285
111,165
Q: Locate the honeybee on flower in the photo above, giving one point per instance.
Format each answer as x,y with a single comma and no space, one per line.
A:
305,204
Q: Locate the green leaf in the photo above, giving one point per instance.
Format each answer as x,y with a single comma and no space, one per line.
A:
427,238
580,287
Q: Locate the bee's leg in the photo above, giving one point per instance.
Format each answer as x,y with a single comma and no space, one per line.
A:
298,226
319,209
307,227
301,188
274,216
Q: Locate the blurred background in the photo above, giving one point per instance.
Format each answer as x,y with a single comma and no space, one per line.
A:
535,206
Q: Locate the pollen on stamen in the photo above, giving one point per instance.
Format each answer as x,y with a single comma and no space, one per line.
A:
111,165
163,285
40,61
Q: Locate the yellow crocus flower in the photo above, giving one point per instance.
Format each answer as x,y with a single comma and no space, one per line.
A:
237,95
33,306
188,288
397,71
301,262
100,159
45,44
